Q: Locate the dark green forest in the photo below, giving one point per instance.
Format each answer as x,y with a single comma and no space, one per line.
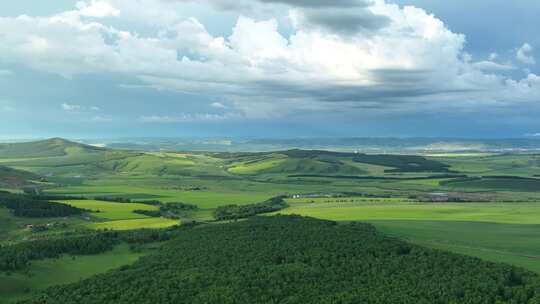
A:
27,206
20,255
234,212
292,259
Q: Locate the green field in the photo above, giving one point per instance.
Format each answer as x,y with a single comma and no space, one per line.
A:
499,232
508,213
109,210
120,216
68,269
505,243
147,223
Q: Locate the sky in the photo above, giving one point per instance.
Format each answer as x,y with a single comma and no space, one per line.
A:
269,68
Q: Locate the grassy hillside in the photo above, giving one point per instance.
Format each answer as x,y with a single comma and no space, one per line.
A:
12,178
46,148
299,260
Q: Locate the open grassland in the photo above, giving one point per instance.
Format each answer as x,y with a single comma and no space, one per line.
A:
67,269
508,213
346,199
146,223
499,232
120,216
506,243
110,210
204,199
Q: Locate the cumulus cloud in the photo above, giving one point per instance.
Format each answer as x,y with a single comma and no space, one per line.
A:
524,54
347,21
342,56
97,9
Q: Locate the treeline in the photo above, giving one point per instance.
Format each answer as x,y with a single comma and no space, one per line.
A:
19,256
233,212
26,206
403,163
168,210
365,177
290,259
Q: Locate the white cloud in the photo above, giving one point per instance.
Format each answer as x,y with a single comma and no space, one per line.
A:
524,54
218,105
71,107
189,118
75,108
410,61
493,66
97,9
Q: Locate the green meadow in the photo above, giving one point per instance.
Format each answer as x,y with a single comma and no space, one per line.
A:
120,216
67,269
507,213
111,210
498,232
145,223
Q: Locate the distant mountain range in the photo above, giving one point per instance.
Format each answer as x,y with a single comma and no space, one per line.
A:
58,146
365,145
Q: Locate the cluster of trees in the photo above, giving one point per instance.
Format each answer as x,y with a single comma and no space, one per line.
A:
27,206
113,199
168,210
234,212
20,255
289,259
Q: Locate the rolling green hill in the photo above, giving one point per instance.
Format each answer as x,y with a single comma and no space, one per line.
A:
45,148
12,178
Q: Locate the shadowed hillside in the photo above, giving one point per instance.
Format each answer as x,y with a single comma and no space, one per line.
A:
12,178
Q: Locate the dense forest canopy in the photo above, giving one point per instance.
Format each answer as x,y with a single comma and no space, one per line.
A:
291,259
27,206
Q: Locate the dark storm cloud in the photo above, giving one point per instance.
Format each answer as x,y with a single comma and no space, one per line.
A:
338,16
343,22
346,17
397,91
